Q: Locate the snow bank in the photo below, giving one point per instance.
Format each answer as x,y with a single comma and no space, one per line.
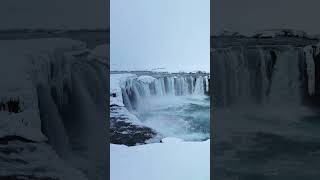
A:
171,160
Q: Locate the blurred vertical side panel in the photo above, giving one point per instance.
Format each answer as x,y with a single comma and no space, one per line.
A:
265,71
54,89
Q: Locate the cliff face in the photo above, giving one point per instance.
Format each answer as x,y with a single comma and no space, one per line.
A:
53,104
270,70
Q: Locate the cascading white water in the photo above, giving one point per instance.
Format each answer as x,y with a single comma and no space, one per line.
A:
231,77
285,83
264,80
170,86
135,90
206,84
158,87
199,87
191,79
309,53
256,75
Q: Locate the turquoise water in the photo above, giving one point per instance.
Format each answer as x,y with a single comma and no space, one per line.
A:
185,117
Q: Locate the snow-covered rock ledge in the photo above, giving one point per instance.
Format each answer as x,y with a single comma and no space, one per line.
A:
125,127
53,97
173,159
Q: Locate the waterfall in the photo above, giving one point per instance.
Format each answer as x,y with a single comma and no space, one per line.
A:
285,84
135,90
159,87
171,89
191,79
206,83
309,53
231,77
264,79
126,100
199,88
260,75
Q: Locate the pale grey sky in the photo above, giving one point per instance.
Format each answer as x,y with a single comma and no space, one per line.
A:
170,34
247,16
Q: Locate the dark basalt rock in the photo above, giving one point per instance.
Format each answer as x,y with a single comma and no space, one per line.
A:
125,131
122,132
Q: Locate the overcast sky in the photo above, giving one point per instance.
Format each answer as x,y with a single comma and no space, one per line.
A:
247,16
64,14
170,34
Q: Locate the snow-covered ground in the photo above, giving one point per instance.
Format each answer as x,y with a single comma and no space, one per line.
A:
171,160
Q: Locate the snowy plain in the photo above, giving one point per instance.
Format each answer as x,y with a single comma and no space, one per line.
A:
173,159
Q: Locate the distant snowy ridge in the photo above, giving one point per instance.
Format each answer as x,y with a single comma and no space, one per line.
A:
229,33
267,33
281,32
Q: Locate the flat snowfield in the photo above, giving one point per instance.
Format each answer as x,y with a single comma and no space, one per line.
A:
173,159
